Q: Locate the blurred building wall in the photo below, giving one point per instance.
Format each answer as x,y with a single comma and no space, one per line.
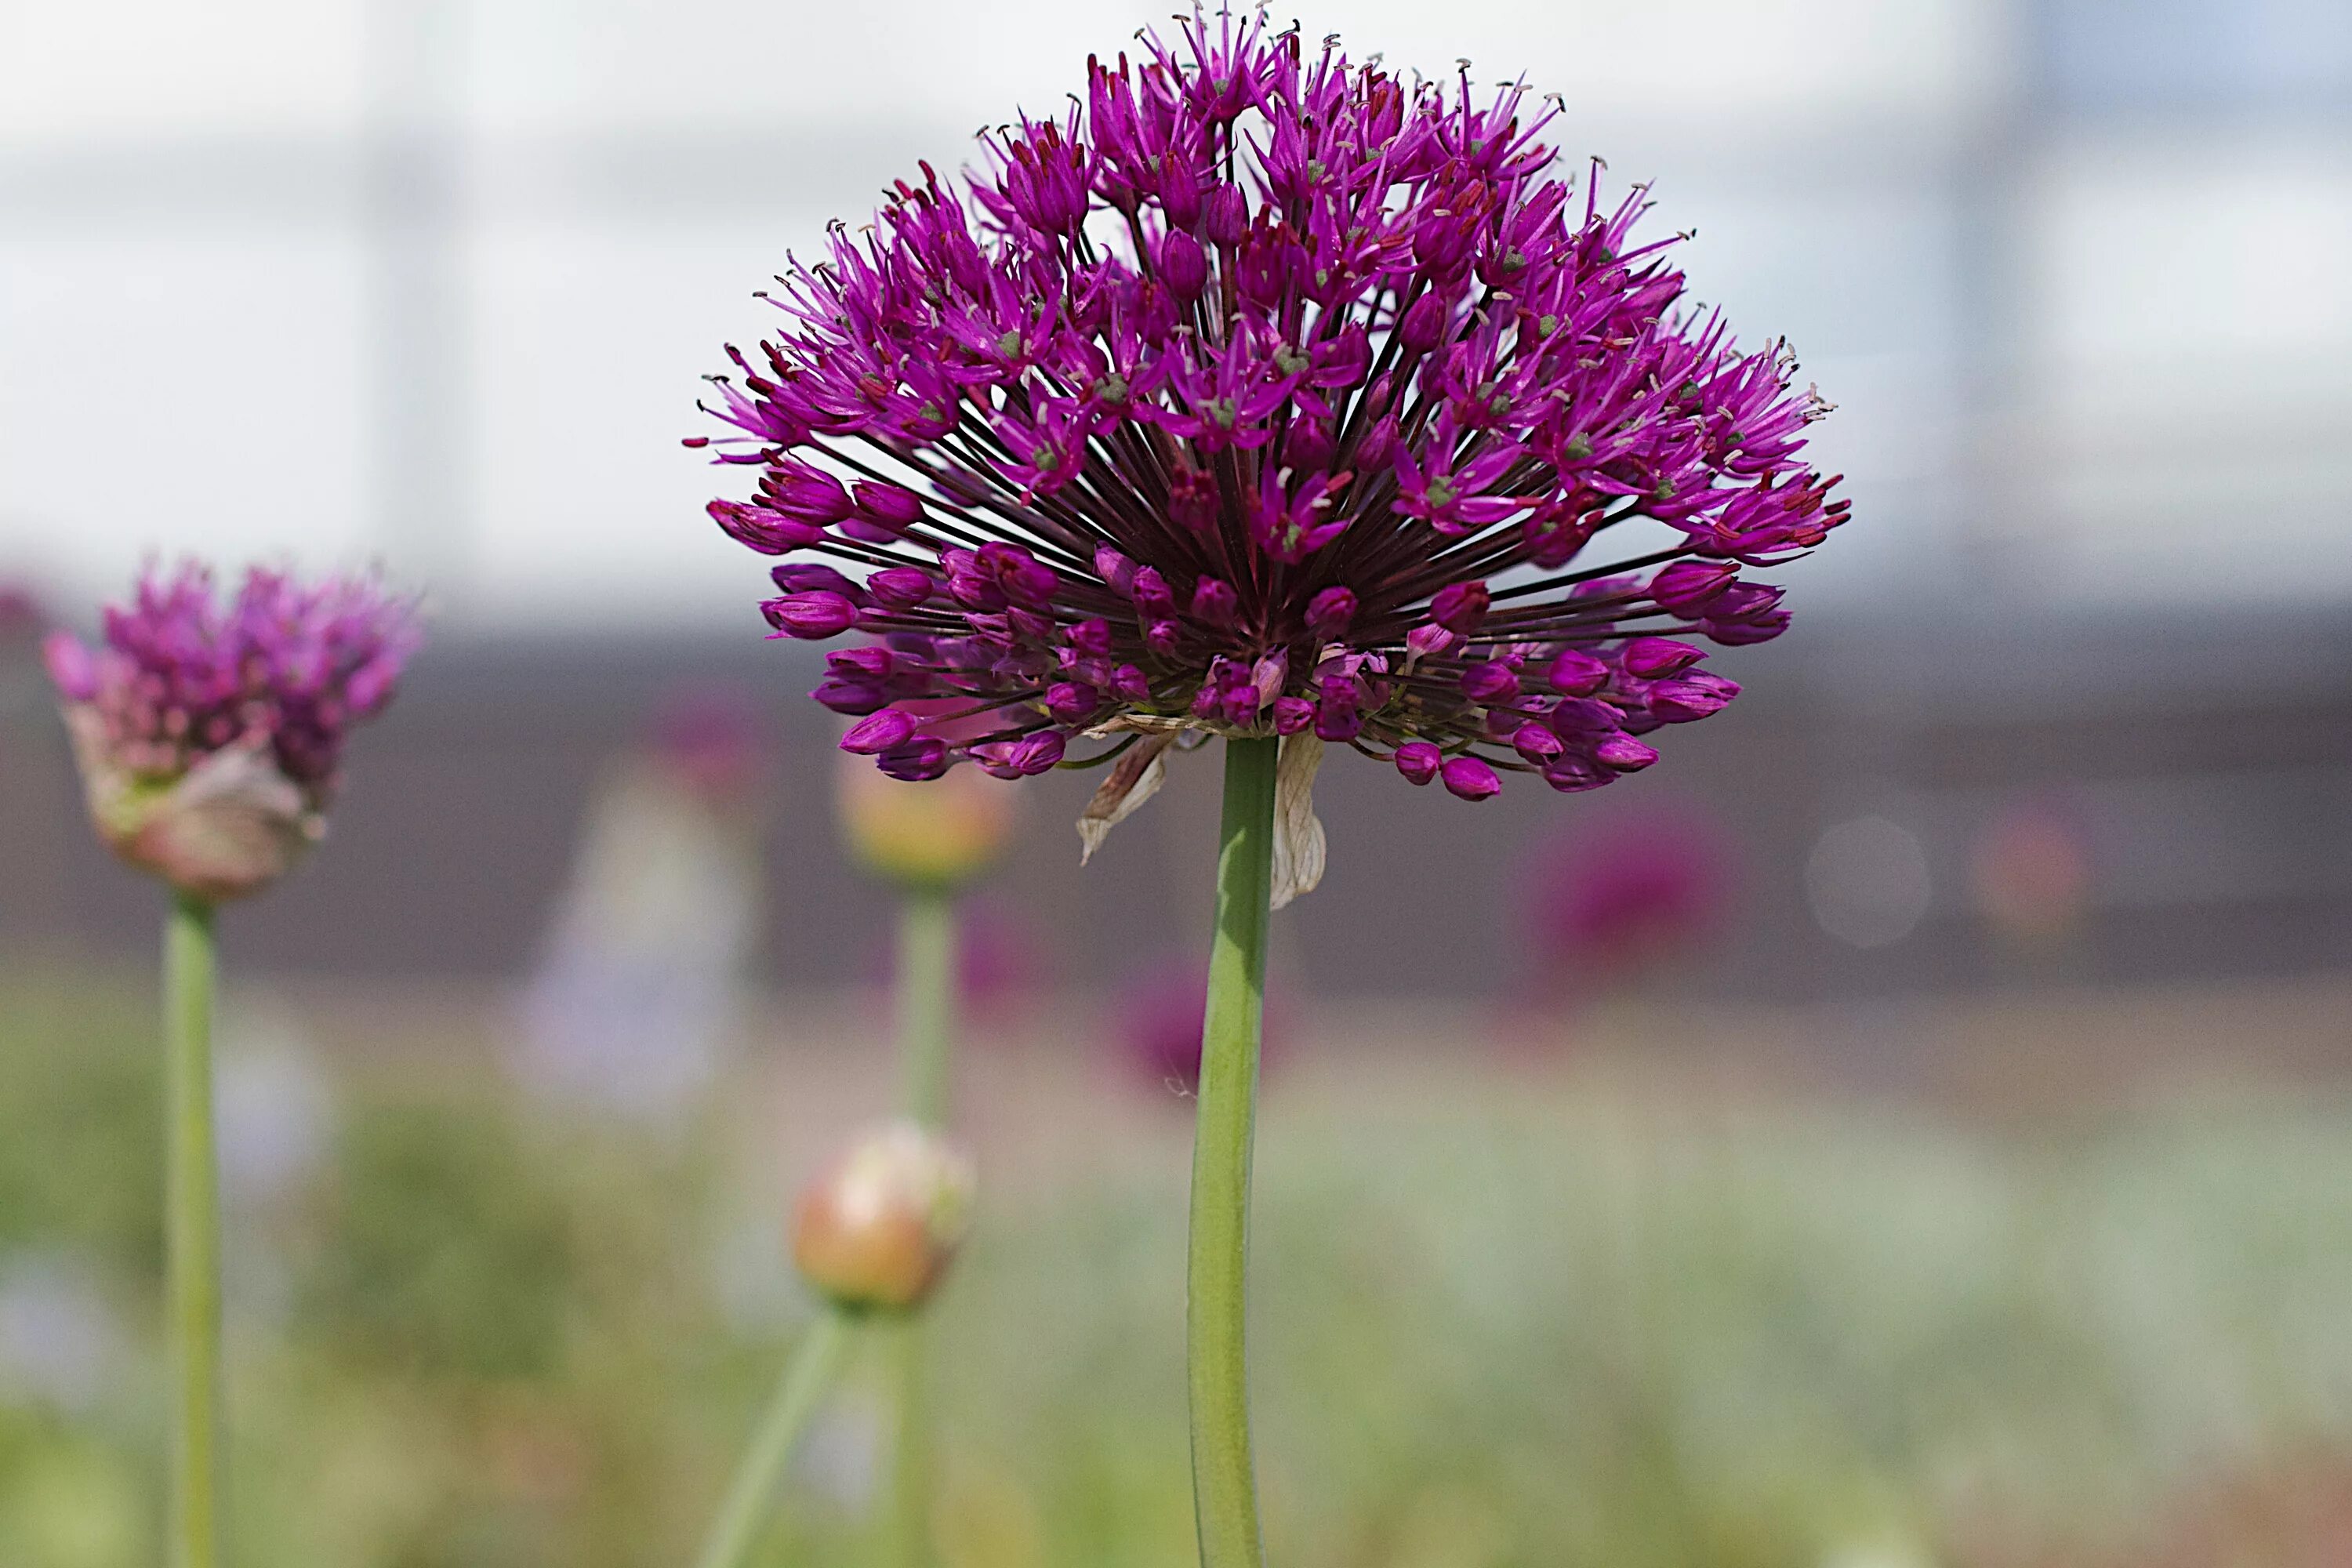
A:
2197,777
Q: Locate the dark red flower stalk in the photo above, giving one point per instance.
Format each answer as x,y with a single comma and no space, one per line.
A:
1268,392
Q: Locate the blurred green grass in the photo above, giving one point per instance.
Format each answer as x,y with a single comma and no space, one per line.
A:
1523,1317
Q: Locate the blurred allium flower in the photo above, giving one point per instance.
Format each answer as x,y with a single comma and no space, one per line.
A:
1001,960
1631,896
707,738
209,734
1267,393
21,615
1159,1026
2030,871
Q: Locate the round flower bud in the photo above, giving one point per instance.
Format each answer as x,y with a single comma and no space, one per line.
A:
209,733
933,833
877,1227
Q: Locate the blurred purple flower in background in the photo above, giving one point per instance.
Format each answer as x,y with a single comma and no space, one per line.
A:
1003,961
2030,871
1617,901
708,737
210,733
1157,1025
22,617
1268,393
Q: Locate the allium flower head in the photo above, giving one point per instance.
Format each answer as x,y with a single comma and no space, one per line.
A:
1638,894
210,733
1267,392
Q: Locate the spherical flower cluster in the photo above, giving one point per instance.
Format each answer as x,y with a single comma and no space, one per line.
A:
1643,892
1267,393
210,735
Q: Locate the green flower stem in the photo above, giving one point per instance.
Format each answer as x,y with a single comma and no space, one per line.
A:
1224,1483
192,1220
927,949
906,1524
927,997
806,1375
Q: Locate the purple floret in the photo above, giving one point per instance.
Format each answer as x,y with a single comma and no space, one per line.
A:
178,676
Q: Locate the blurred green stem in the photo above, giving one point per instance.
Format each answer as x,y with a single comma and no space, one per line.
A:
907,1524
813,1361
192,1210
1224,1483
927,995
927,954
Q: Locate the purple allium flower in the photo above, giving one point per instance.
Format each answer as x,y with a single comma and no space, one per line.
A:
1160,1020
1264,393
210,734
1640,892
1001,962
707,739
21,615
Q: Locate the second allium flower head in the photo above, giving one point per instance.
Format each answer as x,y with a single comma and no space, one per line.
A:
209,733
1227,403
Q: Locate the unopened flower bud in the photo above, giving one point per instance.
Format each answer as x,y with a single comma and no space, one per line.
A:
1215,602
1652,658
813,615
209,734
1418,760
1423,324
940,832
1576,673
1224,216
1183,265
1461,606
877,1229
1470,778
1330,612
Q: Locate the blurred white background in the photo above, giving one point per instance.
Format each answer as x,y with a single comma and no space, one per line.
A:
432,281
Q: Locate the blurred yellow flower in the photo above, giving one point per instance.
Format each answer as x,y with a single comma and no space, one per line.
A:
938,834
